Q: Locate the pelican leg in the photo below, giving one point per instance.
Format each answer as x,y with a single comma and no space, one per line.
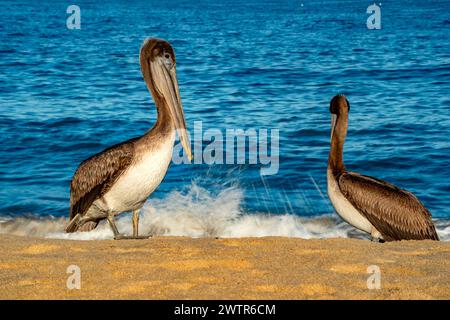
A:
119,236
135,223
116,232
136,227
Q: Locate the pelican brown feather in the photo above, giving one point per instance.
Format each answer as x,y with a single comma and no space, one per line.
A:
397,214
122,177
95,176
369,204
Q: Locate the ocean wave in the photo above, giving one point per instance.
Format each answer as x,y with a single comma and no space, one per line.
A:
198,213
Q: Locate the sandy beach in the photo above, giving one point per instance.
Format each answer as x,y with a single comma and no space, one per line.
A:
207,268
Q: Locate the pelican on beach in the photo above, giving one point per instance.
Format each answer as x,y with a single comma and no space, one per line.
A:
122,177
377,207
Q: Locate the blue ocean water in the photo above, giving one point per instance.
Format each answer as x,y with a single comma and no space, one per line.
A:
67,94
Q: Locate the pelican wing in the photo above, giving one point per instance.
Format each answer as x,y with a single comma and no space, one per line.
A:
397,214
97,174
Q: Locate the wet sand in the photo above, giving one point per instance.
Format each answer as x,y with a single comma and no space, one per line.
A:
251,268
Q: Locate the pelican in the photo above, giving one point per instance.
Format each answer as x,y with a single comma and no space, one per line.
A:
377,207
122,177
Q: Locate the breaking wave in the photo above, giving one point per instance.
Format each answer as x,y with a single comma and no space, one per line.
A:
198,213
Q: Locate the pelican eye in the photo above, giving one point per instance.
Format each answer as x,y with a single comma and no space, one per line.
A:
167,60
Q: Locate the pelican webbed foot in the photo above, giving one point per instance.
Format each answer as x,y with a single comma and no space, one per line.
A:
376,236
377,239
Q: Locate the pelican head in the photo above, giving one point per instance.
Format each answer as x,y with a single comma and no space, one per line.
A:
158,66
339,106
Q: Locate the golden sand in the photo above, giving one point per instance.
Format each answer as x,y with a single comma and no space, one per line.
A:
251,268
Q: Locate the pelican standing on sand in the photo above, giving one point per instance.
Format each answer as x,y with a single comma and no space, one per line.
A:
122,177
377,207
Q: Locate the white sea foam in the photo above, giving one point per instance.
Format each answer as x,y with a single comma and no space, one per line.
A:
198,213
443,229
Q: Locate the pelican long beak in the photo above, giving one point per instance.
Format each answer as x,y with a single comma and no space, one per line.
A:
165,79
333,124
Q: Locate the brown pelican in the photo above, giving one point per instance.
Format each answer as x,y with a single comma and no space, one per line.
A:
122,177
379,208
